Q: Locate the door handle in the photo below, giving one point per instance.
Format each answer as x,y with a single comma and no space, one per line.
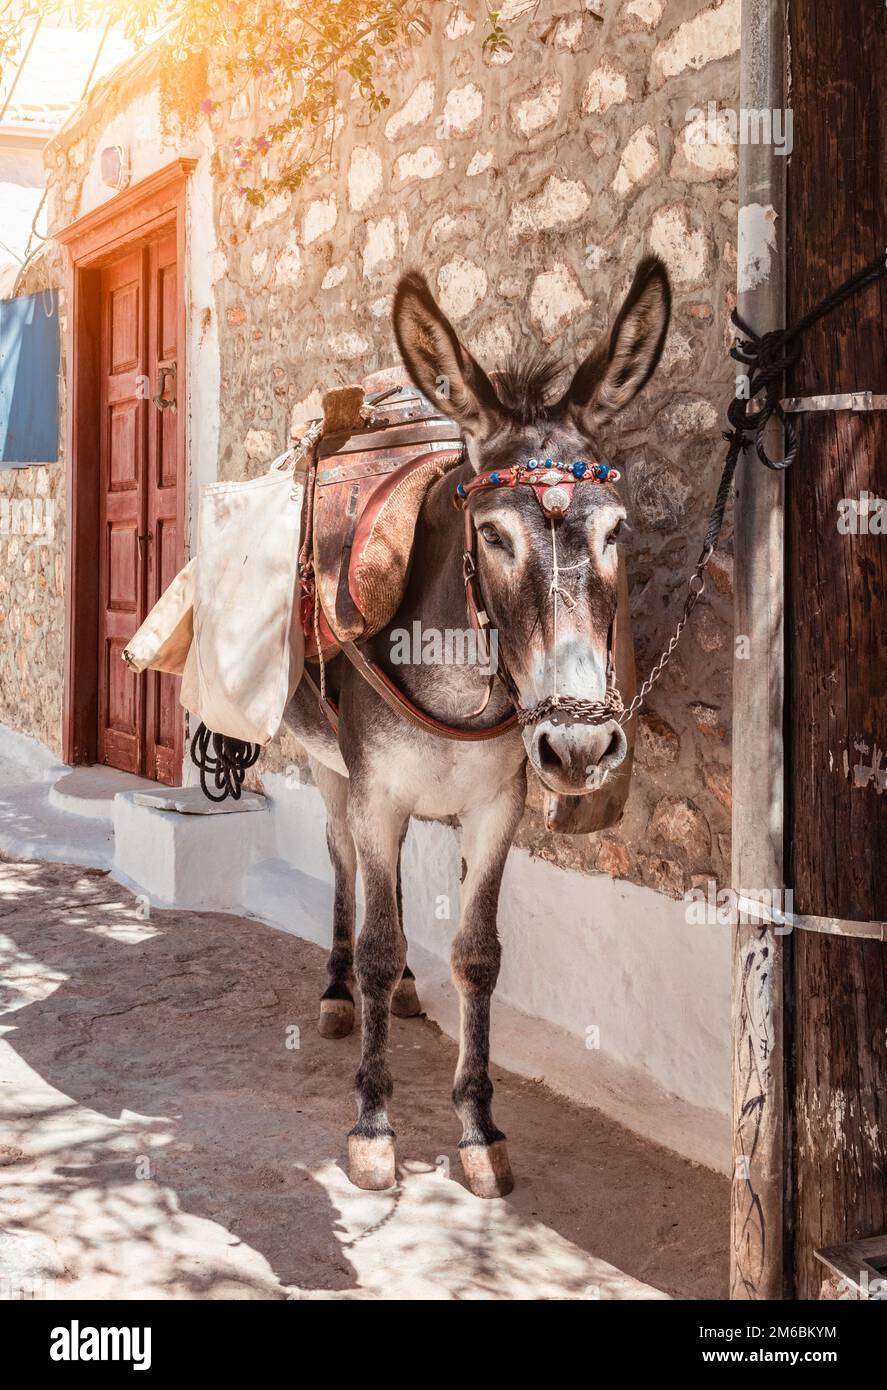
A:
164,369
145,536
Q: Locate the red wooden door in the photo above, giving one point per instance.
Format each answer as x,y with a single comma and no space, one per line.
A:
139,545
163,713
121,534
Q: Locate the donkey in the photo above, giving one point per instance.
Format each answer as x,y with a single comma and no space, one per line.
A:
384,770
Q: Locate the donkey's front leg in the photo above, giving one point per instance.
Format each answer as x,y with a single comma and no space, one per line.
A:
337,1001
405,1000
486,838
377,827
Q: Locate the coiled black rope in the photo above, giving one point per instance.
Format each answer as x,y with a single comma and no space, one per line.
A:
768,357
227,765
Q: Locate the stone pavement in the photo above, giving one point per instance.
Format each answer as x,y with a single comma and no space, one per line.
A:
172,1126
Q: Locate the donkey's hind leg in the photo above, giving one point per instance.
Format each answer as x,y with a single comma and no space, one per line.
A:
404,1000
337,1001
377,827
486,838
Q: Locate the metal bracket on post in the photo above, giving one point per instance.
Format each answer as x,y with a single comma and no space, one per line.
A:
786,922
848,400
857,1268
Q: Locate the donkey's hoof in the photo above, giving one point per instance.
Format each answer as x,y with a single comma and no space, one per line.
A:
336,1018
371,1162
405,1000
487,1170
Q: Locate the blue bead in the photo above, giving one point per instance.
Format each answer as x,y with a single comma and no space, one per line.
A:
603,471
460,489
579,469
533,463
495,479
549,463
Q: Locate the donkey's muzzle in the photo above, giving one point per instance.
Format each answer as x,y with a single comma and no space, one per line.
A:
574,758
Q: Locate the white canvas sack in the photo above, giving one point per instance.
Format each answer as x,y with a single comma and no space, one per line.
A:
229,622
164,639
248,650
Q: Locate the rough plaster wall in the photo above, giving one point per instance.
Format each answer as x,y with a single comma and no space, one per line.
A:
32,567
527,187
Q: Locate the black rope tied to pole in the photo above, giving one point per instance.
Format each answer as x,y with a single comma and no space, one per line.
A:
227,765
768,356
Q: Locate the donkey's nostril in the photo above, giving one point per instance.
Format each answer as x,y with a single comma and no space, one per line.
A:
614,746
547,754
567,755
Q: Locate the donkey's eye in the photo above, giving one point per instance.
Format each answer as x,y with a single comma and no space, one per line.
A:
490,534
613,536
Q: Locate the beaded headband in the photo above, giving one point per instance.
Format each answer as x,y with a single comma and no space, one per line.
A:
552,482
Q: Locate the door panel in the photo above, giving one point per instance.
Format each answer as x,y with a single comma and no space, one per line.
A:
123,569
124,310
140,719
122,422
163,712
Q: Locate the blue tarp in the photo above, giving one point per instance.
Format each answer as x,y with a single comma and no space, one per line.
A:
29,379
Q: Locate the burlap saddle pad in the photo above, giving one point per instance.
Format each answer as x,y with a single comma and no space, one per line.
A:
382,447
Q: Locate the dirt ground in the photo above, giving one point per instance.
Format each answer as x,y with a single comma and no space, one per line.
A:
173,1126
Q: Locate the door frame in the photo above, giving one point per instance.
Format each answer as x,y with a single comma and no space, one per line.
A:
155,203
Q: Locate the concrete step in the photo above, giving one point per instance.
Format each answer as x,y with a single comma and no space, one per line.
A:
192,861
90,791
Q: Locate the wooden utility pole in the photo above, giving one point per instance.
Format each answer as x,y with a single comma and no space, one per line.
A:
759,952
836,636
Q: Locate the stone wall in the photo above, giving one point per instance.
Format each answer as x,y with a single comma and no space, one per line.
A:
32,569
527,186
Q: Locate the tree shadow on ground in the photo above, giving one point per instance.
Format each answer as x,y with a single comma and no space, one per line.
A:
188,1145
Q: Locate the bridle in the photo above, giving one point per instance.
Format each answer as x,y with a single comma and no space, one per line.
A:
553,485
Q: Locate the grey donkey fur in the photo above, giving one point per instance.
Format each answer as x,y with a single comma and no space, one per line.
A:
384,770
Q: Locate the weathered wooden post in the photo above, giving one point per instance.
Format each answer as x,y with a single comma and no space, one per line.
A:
836,637
756,1263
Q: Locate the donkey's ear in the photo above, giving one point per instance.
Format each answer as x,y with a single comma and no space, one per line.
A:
620,366
441,367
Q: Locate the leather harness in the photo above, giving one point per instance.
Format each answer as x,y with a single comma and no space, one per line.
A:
396,699
553,486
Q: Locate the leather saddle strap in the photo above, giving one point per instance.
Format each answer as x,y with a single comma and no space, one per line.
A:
403,706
